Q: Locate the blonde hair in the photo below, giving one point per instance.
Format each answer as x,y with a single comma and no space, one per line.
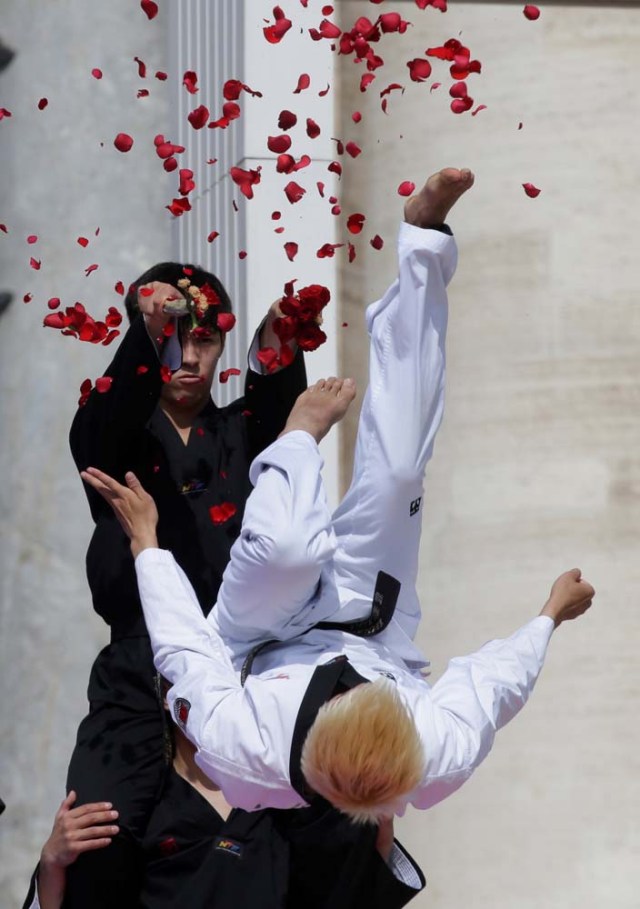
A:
363,752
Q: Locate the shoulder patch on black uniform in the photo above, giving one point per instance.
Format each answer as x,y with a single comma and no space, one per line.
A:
181,708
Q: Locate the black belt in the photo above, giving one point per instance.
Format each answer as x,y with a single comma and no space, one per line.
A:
385,598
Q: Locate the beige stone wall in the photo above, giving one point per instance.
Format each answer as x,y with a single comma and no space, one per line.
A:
537,466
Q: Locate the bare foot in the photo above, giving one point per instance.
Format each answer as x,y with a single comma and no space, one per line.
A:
320,406
437,197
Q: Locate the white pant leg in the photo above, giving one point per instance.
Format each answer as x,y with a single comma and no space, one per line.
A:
270,588
378,522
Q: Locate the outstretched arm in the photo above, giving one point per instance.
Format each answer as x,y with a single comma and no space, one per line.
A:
482,692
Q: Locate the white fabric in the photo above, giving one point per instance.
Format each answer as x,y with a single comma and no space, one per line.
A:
289,544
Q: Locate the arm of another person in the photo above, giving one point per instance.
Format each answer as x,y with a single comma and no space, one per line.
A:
482,692
75,830
269,397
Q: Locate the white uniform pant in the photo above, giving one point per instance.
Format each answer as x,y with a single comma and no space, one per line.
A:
294,563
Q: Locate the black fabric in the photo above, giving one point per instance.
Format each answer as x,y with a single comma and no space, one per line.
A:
119,753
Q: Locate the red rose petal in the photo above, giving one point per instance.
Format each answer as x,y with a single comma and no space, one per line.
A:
419,69
531,190
335,168
531,12
123,142
178,207
35,263
165,374
82,241
141,370
313,130
162,77
286,120
142,93
478,109
355,223
245,179
320,186
187,183
96,73
366,80
294,192
377,242
103,384
219,514
356,116
242,254
5,113
53,303
276,32
279,144
226,374
324,92
119,288
291,250
225,321
199,117
353,149
352,252
27,298
327,250
304,81
149,8
142,67
406,188
42,103
212,236
90,269
458,90
267,356
31,239
170,164
190,81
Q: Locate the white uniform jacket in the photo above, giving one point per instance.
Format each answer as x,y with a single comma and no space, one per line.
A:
244,735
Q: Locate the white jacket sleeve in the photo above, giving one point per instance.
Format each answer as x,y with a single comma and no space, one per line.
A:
477,695
222,719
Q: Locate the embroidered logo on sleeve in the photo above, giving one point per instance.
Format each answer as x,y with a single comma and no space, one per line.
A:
181,708
231,847
414,508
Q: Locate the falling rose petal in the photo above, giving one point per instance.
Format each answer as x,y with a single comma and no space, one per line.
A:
4,229
119,288
461,105
304,81
5,113
419,69
212,161
435,86
279,144
161,77
165,374
142,93
212,236
187,183
335,168
531,12
304,161
245,179
326,29
294,192
190,81
328,250
142,67
178,207
353,149
31,239
225,321
366,80
313,130
276,215
27,298
170,164
231,110
478,109
53,303
463,72
90,269
276,32
35,263
226,374
82,241
458,90
220,514
142,370
291,250
324,92
520,125
42,103
149,8
242,254
531,190
339,146
336,210
377,242
286,120
406,188
393,22
103,384
199,117
96,73
113,317
123,142
355,223
356,116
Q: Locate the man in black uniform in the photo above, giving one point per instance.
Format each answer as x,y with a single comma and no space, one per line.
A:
157,418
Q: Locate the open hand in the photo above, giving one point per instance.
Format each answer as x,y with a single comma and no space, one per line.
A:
132,505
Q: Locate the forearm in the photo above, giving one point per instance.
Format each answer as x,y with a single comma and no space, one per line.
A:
50,883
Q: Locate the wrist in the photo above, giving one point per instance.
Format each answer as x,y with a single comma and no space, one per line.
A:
142,541
552,611
50,865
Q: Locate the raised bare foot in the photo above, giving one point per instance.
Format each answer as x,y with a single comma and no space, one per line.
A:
320,406
437,197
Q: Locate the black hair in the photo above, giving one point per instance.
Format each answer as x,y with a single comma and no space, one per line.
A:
171,273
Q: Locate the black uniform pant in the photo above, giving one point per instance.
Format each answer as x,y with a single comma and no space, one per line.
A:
119,757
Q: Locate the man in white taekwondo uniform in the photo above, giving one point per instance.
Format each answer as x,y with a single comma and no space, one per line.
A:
295,566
